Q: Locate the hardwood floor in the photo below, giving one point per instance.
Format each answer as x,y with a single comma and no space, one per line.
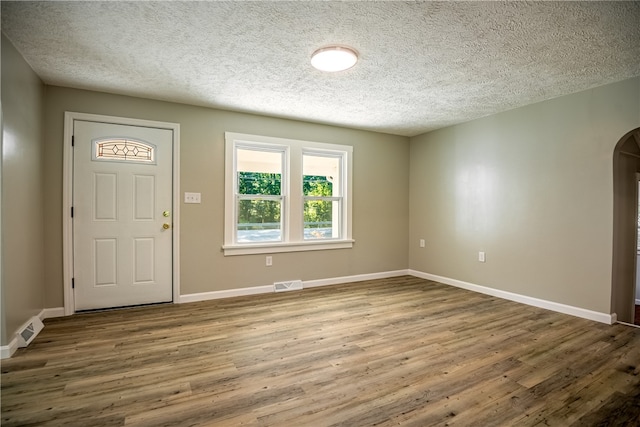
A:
401,351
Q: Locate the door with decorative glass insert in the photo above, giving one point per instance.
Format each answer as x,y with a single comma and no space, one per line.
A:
122,219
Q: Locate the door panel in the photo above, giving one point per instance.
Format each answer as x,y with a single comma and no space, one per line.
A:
122,184
144,197
144,260
105,256
105,196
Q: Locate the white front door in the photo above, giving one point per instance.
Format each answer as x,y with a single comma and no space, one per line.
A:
122,215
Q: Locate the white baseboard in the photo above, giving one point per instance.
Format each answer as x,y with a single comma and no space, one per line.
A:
609,319
356,278
227,293
6,351
254,290
49,313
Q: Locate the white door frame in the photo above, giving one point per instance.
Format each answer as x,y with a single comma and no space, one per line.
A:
67,198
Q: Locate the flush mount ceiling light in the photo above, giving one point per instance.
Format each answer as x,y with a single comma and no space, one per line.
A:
334,58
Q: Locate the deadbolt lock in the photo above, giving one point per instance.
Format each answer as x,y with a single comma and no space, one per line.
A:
165,214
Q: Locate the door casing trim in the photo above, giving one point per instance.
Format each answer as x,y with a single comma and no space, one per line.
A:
67,197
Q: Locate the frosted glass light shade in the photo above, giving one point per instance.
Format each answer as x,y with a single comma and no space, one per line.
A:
334,58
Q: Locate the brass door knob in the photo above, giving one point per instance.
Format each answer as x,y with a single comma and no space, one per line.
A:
165,226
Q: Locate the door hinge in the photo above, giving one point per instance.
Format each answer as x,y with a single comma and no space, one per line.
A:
73,140
71,211
73,283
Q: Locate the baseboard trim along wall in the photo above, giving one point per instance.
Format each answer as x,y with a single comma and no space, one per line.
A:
609,319
523,299
356,278
49,313
254,290
6,351
227,293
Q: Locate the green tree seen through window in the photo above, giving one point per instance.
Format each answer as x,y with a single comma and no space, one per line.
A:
268,211
259,211
317,211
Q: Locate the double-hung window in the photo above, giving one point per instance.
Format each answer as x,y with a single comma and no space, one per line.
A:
259,195
322,195
285,195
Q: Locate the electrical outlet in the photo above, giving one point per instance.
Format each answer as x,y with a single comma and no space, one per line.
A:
269,261
481,257
192,197
422,243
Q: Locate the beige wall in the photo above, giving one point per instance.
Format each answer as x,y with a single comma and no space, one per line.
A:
380,180
531,187
22,204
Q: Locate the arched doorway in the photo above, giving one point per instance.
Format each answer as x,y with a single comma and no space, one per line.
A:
626,170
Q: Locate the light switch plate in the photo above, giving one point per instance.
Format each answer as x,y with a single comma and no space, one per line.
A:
192,197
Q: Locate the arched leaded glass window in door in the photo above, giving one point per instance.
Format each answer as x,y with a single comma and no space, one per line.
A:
124,150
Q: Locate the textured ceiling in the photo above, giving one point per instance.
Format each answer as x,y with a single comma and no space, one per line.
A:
423,65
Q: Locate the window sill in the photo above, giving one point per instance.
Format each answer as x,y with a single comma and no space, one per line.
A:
271,248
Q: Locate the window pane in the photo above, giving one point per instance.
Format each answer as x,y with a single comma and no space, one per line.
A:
259,221
317,185
259,183
259,161
124,150
319,220
259,172
321,175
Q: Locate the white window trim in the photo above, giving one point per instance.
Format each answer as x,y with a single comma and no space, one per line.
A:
292,239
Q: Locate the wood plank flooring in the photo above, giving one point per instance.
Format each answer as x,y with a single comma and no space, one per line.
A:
400,351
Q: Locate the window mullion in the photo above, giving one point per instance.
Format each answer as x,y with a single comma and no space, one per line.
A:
258,197
325,198
295,202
